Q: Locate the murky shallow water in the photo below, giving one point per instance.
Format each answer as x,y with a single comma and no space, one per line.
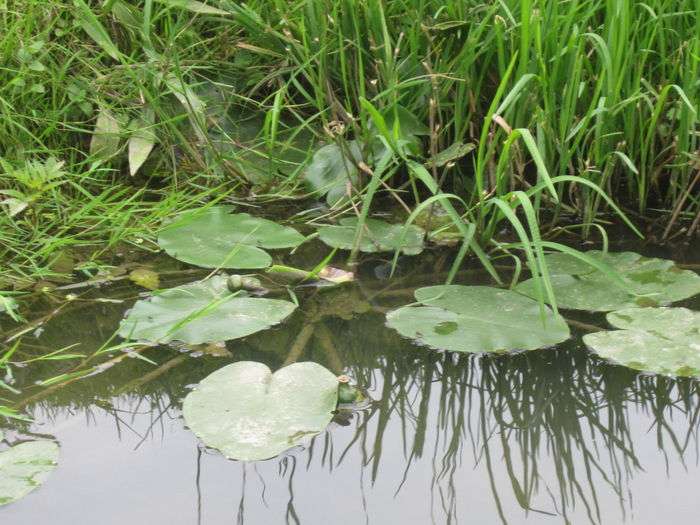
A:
551,436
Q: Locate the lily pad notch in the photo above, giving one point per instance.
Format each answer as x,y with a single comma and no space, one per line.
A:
248,413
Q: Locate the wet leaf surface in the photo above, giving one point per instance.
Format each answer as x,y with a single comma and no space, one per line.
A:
647,282
248,413
25,467
217,238
201,312
658,340
379,236
477,319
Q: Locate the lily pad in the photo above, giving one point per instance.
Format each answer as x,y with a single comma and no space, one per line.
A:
217,238
659,340
25,467
379,236
647,282
248,413
331,170
477,319
201,312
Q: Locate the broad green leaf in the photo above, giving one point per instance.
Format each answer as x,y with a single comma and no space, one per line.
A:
142,141
331,170
216,238
105,137
25,467
250,414
379,236
648,282
408,124
477,319
92,26
201,312
194,6
659,340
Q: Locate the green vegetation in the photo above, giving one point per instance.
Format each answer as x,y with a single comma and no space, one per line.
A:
116,114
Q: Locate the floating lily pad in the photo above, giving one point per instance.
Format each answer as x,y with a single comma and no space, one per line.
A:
217,238
25,467
201,312
477,319
659,340
647,282
379,236
331,170
248,413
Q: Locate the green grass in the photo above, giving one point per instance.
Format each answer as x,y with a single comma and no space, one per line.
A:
570,106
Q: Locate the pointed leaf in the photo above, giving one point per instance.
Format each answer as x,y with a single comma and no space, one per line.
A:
92,26
141,142
194,6
105,137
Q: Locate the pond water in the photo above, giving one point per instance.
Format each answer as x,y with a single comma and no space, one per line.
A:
550,436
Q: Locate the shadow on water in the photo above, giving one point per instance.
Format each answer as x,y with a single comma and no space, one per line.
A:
551,435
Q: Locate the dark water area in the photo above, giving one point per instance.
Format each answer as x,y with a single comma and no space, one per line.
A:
550,436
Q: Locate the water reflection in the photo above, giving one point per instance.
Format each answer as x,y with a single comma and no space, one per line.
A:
552,435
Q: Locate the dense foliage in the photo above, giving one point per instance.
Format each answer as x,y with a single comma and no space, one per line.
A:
116,114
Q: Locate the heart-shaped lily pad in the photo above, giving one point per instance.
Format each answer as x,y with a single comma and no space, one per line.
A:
477,319
25,467
201,312
248,413
647,282
217,238
378,236
659,340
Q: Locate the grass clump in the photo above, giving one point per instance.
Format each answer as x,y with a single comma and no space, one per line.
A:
115,114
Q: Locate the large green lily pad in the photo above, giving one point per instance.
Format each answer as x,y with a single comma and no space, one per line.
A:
217,238
647,282
477,319
378,236
201,312
659,340
331,169
248,413
25,467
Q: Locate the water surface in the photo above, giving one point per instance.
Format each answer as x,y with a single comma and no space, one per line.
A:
550,436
